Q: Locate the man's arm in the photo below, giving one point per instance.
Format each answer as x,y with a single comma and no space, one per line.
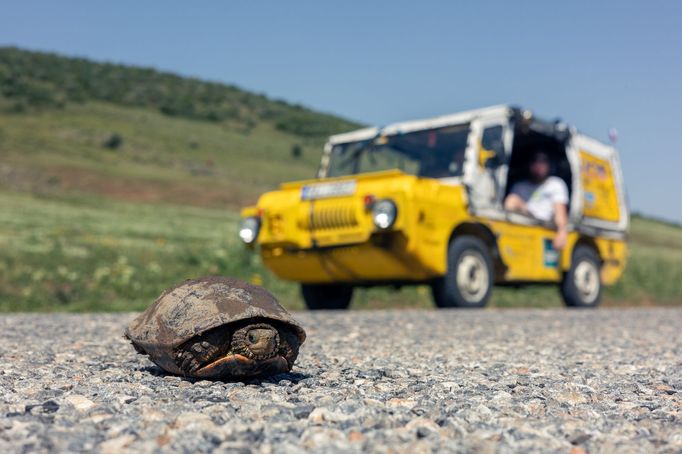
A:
560,199
514,201
561,221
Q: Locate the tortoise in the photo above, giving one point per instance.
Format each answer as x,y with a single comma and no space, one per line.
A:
217,328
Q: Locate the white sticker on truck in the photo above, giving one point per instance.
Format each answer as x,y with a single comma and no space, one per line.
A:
327,190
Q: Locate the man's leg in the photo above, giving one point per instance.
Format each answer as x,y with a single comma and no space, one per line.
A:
515,203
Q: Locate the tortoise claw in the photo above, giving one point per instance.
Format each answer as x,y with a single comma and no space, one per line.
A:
190,358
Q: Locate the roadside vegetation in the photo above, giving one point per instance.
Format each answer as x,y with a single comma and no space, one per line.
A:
107,196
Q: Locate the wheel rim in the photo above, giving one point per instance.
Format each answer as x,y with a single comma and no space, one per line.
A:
586,280
472,277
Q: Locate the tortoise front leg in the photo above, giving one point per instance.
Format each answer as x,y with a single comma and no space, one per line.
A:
202,350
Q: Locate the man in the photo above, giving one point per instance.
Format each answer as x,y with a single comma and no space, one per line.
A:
544,197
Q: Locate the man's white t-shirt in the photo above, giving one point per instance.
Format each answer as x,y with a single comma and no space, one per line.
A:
541,198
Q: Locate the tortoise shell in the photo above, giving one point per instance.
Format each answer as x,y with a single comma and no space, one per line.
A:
201,328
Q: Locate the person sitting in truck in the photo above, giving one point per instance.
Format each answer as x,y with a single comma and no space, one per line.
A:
543,196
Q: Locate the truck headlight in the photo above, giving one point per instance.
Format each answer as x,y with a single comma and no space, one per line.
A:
248,229
384,213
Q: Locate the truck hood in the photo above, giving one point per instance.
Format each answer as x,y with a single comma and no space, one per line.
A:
357,177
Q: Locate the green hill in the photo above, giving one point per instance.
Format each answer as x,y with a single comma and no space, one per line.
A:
36,79
69,124
116,182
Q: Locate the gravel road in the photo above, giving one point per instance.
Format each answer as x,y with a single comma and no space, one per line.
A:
403,381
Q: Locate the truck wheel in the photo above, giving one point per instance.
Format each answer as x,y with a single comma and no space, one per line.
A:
581,286
469,278
326,296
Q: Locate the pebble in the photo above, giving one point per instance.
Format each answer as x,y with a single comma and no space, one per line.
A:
80,403
384,381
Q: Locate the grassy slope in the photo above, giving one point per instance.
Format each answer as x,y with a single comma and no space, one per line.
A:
224,164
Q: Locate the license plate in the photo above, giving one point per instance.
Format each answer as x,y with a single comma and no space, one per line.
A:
327,190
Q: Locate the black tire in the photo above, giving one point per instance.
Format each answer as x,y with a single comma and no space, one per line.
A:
326,296
581,285
451,291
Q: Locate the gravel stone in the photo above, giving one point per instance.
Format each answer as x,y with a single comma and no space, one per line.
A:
402,381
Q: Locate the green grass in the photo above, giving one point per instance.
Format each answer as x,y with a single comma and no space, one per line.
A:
91,253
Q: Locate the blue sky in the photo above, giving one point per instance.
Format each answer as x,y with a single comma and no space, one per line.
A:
597,65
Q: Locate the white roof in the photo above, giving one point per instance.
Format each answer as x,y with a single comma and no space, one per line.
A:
417,125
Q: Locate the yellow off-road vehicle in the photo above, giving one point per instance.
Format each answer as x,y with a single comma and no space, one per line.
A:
421,202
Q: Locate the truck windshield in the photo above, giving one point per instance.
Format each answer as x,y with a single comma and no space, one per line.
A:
433,153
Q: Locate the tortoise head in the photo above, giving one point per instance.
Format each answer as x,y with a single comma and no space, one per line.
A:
246,350
257,341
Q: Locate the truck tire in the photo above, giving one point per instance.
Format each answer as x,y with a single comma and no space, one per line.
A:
326,296
581,285
469,278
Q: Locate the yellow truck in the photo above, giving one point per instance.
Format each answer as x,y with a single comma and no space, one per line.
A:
422,202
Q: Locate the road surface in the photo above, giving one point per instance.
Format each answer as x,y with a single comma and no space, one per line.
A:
413,381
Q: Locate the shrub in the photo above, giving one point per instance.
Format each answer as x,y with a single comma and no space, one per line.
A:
114,142
296,151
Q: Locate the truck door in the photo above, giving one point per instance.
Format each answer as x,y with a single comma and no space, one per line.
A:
487,157
600,200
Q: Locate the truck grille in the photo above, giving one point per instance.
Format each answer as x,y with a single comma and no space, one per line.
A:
333,217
